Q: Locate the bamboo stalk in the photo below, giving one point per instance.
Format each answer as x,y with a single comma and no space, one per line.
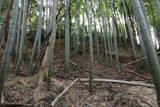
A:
9,46
91,58
150,49
67,38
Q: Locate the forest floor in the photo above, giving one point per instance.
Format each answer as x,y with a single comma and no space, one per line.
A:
24,89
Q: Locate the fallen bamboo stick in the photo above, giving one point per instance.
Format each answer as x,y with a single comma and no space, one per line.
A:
129,63
137,74
87,70
118,82
76,66
60,95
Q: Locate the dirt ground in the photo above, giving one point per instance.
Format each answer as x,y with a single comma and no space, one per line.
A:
108,95
24,89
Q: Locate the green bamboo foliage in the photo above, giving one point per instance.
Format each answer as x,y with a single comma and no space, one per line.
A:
23,34
88,7
37,42
67,37
157,2
9,45
151,52
155,28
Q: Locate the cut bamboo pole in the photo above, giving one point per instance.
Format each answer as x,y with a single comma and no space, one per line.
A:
60,95
118,82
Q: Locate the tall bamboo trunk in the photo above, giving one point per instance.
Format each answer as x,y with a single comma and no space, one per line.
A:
131,32
151,52
67,37
9,46
47,62
37,42
23,34
19,30
78,27
90,45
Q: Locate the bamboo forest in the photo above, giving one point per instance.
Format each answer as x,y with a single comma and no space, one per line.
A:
79,53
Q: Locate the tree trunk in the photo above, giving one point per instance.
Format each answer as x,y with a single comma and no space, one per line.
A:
9,46
151,52
5,25
67,37
90,44
23,34
45,73
37,42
